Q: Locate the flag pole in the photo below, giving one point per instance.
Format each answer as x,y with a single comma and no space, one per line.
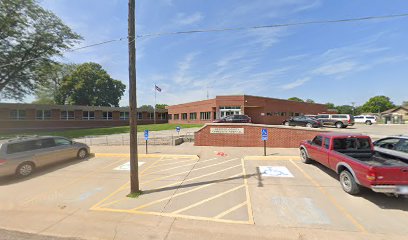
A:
154,108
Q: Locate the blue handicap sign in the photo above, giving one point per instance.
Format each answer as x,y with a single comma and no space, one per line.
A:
178,128
146,134
264,134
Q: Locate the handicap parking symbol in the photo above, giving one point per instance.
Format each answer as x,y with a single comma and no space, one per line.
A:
275,171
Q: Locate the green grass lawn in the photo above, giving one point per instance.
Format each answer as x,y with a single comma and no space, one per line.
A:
77,133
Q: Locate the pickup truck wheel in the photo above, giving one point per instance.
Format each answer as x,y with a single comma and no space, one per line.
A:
339,125
348,183
304,156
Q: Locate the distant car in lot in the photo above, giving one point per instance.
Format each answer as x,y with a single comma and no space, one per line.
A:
367,119
20,156
396,146
337,120
303,121
234,119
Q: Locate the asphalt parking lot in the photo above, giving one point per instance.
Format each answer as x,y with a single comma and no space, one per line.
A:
375,131
226,191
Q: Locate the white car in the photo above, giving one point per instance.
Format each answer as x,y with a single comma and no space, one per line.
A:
367,119
396,146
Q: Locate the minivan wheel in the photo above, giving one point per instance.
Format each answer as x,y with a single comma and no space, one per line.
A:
339,125
25,169
82,153
348,183
368,122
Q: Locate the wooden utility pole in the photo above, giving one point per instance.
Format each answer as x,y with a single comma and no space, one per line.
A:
134,168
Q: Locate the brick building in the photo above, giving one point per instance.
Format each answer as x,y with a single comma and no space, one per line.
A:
20,116
262,110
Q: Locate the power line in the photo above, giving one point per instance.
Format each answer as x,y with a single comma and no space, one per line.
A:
224,30
277,25
69,50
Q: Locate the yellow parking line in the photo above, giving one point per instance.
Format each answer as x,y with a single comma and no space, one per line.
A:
71,183
249,208
160,178
124,186
172,215
212,159
144,155
207,200
182,193
173,163
230,210
270,158
201,176
332,199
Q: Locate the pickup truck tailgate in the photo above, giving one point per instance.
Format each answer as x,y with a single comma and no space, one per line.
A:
391,175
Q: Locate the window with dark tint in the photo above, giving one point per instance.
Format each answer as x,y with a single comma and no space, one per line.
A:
369,117
326,143
23,146
323,116
402,146
317,141
193,116
388,143
184,116
339,116
351,144
47,143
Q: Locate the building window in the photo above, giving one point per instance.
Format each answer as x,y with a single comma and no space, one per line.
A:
151,115
230,110
170,116
88,115
17,114
162,116
184,116
193,116
124,116
176,117
67,115
139,115
205,115
107,115
43,115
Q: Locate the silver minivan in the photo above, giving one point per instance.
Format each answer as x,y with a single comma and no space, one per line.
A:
20,156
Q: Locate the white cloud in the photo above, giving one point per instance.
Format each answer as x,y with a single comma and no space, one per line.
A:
181,76
295,84
184,19
336,68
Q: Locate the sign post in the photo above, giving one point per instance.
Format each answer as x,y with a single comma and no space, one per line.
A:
264,134
146,135
178,130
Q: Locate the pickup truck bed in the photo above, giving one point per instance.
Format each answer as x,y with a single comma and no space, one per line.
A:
377,160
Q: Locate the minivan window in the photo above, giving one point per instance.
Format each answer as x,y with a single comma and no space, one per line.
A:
62,141
22,147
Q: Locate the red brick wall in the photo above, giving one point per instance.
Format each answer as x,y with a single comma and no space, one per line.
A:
278,136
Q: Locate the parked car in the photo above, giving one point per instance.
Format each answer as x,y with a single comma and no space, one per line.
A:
20,156
337,120
367,119
353,157
303,121
234,119
393,146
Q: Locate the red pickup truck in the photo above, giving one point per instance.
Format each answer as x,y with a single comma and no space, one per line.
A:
358,165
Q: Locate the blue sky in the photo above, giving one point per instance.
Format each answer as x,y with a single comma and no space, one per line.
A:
339,63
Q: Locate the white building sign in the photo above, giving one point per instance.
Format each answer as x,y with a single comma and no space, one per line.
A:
227,130
275,171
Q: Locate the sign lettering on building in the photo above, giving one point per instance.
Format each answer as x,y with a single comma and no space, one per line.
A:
227,130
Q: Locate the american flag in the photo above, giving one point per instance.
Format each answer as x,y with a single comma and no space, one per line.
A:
157,88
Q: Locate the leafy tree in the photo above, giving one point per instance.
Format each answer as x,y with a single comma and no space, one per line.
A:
310,101
377,104
90,85
330,106
295,99
51,76
345,109
147,107
161,106
29,37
